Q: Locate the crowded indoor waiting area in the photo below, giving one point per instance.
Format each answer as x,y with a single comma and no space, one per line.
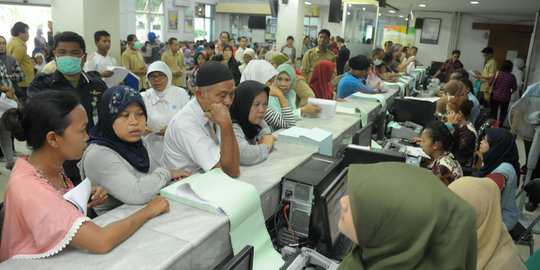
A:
270,134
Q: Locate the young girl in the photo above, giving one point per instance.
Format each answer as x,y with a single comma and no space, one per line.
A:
39,222
116,157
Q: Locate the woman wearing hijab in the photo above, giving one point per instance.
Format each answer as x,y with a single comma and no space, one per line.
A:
458,111
263,72
228,57
116,157
249,54
405,227
40,62
162,102
454,88
496,250
500,155
320,80
253,135
40,41
300,86
201,57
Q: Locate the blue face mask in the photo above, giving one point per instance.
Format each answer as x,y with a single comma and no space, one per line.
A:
69,65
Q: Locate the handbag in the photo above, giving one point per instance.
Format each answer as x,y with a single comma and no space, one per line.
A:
489,91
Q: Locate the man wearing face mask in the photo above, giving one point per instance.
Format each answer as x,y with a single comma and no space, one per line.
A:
133,60
351,81
70,53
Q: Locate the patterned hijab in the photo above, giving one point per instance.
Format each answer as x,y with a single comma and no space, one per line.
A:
113,102
406,218
244,95
502,148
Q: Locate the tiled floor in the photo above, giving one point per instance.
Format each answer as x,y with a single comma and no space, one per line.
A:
523,250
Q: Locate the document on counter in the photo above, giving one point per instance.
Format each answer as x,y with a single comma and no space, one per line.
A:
119,74
430,99
242,204
328,107
182,191
347,107
416,152
314,137
378,97
79,195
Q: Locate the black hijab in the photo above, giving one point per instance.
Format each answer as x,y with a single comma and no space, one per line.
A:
244,95
113,102
502,148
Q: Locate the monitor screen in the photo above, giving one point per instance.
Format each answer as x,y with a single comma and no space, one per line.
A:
363,136
242,261
335,12
417,111
356,155
257,22
332,196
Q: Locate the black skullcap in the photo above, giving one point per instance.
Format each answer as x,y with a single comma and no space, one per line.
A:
359,62
211,73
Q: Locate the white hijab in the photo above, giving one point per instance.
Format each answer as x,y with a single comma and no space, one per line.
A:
259,70
161,67
40,67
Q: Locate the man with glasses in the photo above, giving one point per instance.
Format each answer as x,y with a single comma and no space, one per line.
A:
17,48
313,56
70,53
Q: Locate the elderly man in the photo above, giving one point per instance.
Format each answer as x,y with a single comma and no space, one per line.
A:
200,137
395,64
313,56
450,66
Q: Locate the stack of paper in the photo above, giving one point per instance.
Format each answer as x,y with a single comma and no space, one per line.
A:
119,74
376,97
79,195
316,138
328,107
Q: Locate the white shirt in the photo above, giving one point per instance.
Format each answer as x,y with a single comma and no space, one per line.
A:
160,111
190,141
239,55
98,62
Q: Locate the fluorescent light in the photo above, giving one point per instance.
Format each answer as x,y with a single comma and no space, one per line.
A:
363,8
406,19
401,16
475,2
307,3
422,5
392,11
379,14
348,13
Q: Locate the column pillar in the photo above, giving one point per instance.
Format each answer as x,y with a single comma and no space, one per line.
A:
290,23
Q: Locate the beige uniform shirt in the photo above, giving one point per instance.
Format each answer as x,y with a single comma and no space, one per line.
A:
133,60
17,49
311,58
489,69
175,63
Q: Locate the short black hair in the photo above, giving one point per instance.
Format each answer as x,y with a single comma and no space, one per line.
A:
324,31
217,57
46,111
171,40
131,37
507,66
210,45
456,51
19,27
414,47
68,36
340,40
240,39
468,84
406,48
99,34
377,51
228,35
487,50
290,37
438,132
387,42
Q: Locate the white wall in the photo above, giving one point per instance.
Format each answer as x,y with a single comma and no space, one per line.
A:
334,28
290,23
434,52
470,43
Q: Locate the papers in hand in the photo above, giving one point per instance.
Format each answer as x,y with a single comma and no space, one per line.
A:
79,195
328,107
119,74
183,192
416,152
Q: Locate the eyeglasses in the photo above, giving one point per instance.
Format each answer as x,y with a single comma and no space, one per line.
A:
158,76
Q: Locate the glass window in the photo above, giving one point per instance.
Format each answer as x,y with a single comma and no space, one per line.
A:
149,18
203,23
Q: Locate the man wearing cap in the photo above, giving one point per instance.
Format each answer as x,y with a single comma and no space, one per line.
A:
351,81
200,137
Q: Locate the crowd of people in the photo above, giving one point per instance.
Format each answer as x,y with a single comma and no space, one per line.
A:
133,142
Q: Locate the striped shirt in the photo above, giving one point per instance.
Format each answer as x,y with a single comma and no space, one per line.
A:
277,120
503,85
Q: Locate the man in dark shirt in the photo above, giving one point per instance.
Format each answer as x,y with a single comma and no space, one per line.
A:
450,66
70,52
342,57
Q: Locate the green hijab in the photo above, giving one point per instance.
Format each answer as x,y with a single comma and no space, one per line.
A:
273,102
280,59
406,218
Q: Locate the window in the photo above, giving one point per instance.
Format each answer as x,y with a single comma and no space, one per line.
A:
149,18
204,16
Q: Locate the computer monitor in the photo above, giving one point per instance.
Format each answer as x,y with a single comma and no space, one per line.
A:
379,125
360,155
417,111
331,208
242,261
363,136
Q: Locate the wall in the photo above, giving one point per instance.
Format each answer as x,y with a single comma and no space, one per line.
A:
290,23
334,28
470,43
533,73
434,52
96,18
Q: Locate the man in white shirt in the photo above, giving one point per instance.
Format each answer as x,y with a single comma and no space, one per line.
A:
200,137
240,52
100,60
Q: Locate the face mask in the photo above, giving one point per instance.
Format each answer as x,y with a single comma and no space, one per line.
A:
68,64
137,45
377,62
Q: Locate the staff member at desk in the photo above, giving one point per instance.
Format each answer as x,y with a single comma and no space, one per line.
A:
117,158
201,136
421,225
39,222
255,140
351,83
450,66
